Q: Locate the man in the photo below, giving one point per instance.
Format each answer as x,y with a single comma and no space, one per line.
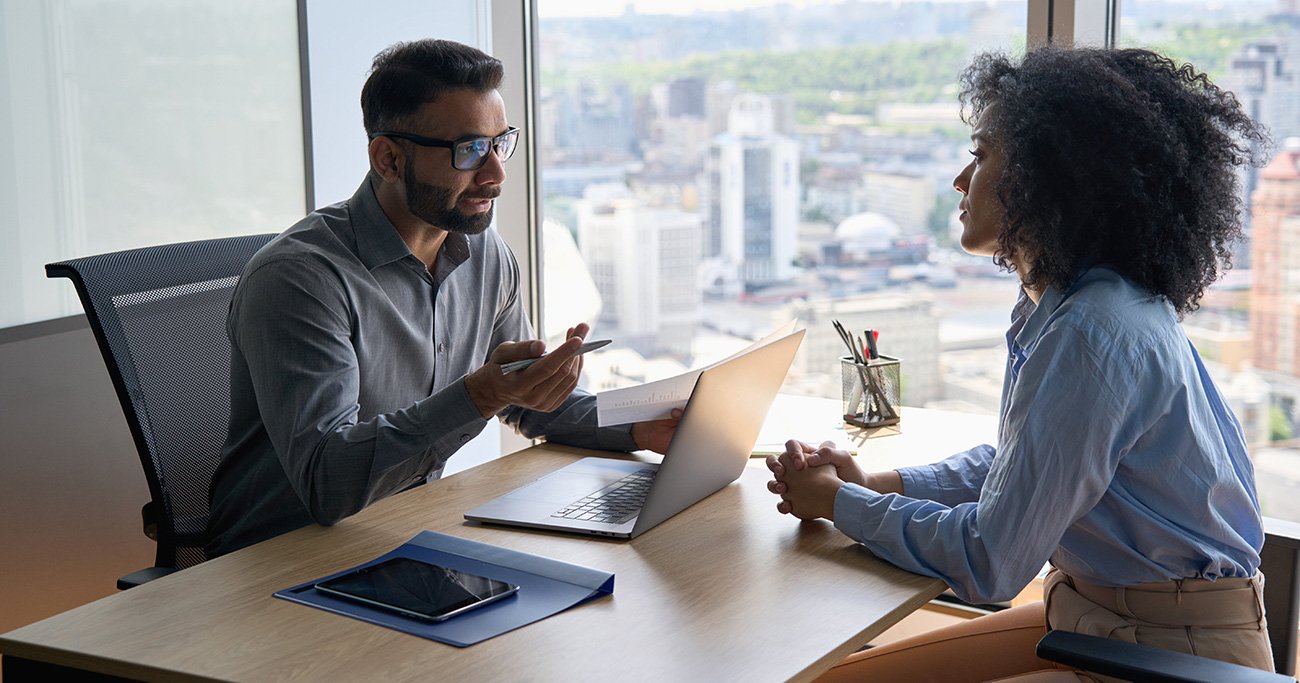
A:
367,340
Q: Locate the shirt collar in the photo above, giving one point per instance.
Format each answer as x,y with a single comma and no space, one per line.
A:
1035,316
1051,300
378,242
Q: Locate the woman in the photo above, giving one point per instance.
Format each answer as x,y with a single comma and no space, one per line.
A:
1105,179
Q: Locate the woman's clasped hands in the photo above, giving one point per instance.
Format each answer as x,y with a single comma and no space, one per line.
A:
807,477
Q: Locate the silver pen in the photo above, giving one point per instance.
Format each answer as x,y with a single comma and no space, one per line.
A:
521,364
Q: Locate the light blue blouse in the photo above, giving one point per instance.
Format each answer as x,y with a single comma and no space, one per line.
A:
1117,458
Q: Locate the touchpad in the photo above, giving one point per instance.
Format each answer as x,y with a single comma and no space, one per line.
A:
562,487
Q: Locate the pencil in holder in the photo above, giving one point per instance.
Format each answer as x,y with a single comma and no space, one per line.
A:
870,392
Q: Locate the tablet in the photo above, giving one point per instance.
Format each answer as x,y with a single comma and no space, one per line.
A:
416,589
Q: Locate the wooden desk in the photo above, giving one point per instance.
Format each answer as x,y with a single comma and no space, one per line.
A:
727,590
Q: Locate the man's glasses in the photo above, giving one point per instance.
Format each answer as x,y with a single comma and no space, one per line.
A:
467,154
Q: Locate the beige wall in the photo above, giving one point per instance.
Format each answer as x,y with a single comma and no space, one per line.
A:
71,485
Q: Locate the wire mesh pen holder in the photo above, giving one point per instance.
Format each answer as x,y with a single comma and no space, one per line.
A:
870,392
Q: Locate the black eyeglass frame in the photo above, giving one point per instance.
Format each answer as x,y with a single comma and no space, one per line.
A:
463,147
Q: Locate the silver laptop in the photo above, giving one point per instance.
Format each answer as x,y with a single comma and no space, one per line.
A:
624,499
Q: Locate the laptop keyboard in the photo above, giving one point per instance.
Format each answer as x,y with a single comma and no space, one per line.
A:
615,503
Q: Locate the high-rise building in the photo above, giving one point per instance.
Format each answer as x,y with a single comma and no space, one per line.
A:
1275,254
907,199
598,121
752,212
1265,77
687,97
678,132
1275,291
643,260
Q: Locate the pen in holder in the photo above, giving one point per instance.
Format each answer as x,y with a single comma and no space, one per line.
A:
870,391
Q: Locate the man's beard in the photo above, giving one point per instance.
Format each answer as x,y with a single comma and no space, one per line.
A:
435,206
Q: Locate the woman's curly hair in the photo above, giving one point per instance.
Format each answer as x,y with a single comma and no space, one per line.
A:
1120,158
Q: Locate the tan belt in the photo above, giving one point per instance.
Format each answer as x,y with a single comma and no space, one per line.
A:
1185,602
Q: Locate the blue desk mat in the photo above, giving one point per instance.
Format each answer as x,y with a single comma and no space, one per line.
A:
546,587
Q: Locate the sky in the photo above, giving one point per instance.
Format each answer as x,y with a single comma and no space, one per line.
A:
594,8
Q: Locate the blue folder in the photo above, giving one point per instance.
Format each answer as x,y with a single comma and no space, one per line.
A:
546,587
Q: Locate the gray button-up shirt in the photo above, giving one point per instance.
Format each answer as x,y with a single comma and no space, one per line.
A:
348,360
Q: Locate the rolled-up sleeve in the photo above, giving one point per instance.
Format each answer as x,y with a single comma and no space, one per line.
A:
954,480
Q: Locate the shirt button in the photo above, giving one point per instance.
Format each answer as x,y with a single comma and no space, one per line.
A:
442,348
464,438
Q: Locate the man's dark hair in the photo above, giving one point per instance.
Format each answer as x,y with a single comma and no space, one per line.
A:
1120,158
407,75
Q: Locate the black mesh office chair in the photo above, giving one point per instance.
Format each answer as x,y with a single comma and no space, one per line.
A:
159,315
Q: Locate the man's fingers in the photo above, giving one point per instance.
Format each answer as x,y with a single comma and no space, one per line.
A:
552,391
776,487
573,367
509,352
553,363
552,397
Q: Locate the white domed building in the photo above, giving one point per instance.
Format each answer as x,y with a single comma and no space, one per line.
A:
863,233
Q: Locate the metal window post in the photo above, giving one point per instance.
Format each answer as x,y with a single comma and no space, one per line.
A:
1069,23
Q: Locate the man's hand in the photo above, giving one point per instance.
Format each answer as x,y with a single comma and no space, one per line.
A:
542,386
657,434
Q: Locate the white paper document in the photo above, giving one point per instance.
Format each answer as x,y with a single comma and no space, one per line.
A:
656,400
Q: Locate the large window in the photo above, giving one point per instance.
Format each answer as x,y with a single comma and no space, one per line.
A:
711,174
1247,326
137,122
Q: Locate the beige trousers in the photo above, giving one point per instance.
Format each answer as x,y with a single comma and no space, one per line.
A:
1222,619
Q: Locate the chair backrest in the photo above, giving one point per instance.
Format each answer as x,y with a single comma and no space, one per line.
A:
159,315
1280,563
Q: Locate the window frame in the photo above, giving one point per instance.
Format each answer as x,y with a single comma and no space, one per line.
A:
519,209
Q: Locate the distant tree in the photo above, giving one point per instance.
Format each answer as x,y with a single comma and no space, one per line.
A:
1209,48
1279,424
857,79
816,214
944,204
861,76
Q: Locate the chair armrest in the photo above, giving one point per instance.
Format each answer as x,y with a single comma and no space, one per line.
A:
143,576
1143,662
1280,562
1282,532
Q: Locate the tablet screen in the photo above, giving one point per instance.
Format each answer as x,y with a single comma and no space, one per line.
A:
417,589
